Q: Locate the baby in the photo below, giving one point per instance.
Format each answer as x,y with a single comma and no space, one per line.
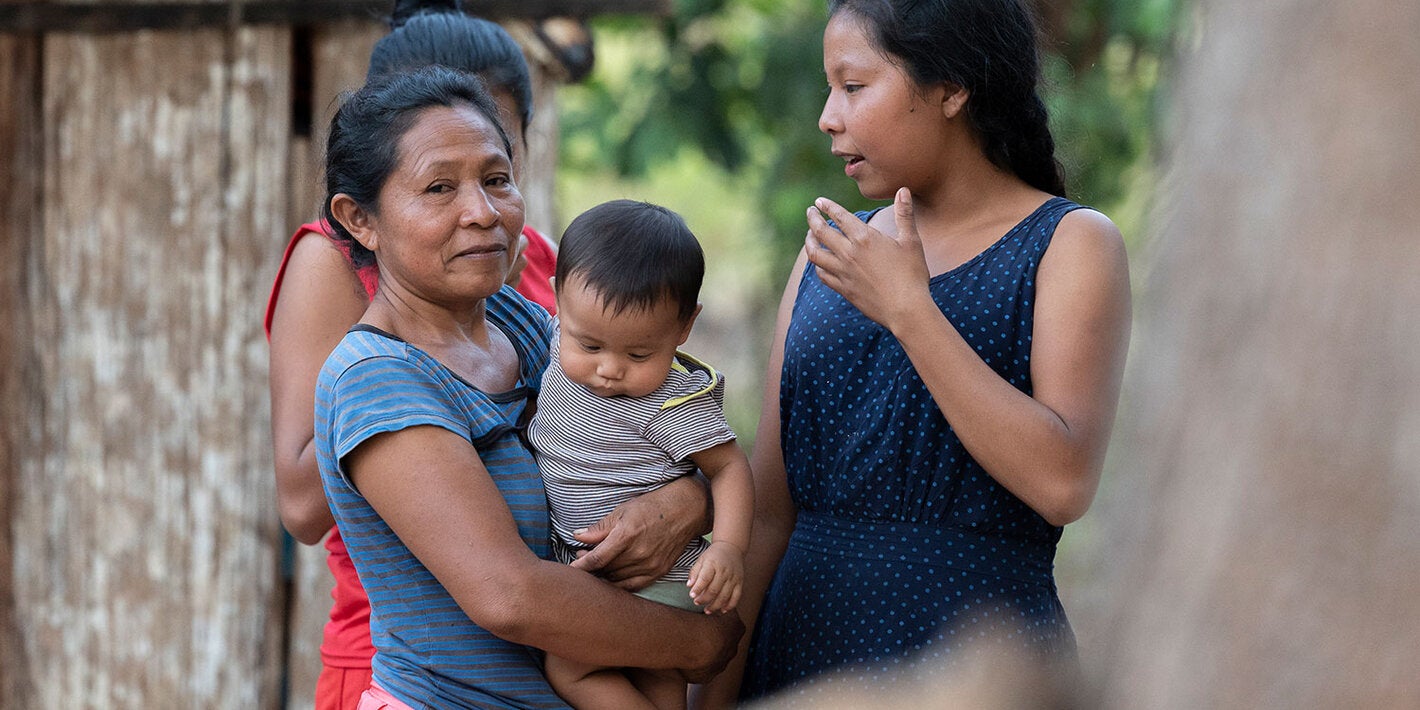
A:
623,412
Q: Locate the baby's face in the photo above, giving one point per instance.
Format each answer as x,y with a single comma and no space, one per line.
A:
627,353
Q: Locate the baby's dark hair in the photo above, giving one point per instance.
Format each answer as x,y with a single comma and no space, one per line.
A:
633,254
363,145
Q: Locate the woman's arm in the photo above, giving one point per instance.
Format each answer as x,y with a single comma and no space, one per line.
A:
430,486
774,512
1048,448
320,298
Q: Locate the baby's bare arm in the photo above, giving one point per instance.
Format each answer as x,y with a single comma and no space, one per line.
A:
721,567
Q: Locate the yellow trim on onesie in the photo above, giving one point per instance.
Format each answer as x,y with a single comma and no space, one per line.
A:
676,365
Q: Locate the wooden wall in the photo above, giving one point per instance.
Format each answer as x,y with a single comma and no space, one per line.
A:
143,537
150,180
19,227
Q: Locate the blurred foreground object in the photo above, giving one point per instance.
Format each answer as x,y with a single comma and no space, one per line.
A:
1263,528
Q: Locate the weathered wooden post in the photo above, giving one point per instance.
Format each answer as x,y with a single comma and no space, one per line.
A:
19,229
154,157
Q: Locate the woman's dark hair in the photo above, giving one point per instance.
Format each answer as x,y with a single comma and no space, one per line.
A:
425,32
363,147
633,255
987,47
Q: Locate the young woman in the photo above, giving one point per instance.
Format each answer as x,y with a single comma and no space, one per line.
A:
319,293
945,371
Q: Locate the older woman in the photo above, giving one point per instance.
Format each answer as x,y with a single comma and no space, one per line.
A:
319,292
418,413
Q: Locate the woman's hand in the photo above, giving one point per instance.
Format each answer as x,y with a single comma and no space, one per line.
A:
430,486
640,541
884,277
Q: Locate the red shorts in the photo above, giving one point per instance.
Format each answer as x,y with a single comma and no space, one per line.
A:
340,688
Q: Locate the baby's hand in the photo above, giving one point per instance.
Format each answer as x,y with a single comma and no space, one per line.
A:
717,578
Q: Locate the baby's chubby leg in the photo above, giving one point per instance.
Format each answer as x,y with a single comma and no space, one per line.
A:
665,689
588,687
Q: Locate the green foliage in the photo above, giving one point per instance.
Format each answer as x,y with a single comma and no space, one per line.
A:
741,83
1103,69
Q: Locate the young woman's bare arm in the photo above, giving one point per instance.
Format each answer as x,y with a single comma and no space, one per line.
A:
320,298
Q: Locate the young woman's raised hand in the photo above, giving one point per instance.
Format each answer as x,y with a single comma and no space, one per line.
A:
883,276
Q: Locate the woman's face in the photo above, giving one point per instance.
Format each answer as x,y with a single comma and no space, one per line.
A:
888,130
449,215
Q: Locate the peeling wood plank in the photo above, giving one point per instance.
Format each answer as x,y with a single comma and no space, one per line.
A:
130,16
150,555
20,222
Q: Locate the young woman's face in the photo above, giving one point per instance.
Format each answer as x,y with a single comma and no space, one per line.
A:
627,353
512,121
450,213
888,130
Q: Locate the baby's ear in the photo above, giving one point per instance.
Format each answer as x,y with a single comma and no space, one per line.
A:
689,323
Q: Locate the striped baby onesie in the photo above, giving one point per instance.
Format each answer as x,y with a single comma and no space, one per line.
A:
596,453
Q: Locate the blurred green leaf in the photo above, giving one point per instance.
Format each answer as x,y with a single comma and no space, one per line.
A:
740,82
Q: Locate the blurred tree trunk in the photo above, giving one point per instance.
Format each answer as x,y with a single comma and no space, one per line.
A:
1262,528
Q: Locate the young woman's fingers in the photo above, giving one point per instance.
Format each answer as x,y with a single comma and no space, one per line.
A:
851,227
829,277
824,236
903,215
820,255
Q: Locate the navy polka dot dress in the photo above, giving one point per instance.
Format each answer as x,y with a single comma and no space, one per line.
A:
904,549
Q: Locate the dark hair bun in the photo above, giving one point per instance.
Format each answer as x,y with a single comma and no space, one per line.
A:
405,9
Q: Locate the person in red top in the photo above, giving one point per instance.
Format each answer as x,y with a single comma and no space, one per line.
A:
318,294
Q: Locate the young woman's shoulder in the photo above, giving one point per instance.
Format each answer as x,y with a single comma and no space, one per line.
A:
1085,274
1090,221
1085,238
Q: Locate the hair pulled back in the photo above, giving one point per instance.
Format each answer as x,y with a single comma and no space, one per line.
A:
425,32
987,47
363,146
633,255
